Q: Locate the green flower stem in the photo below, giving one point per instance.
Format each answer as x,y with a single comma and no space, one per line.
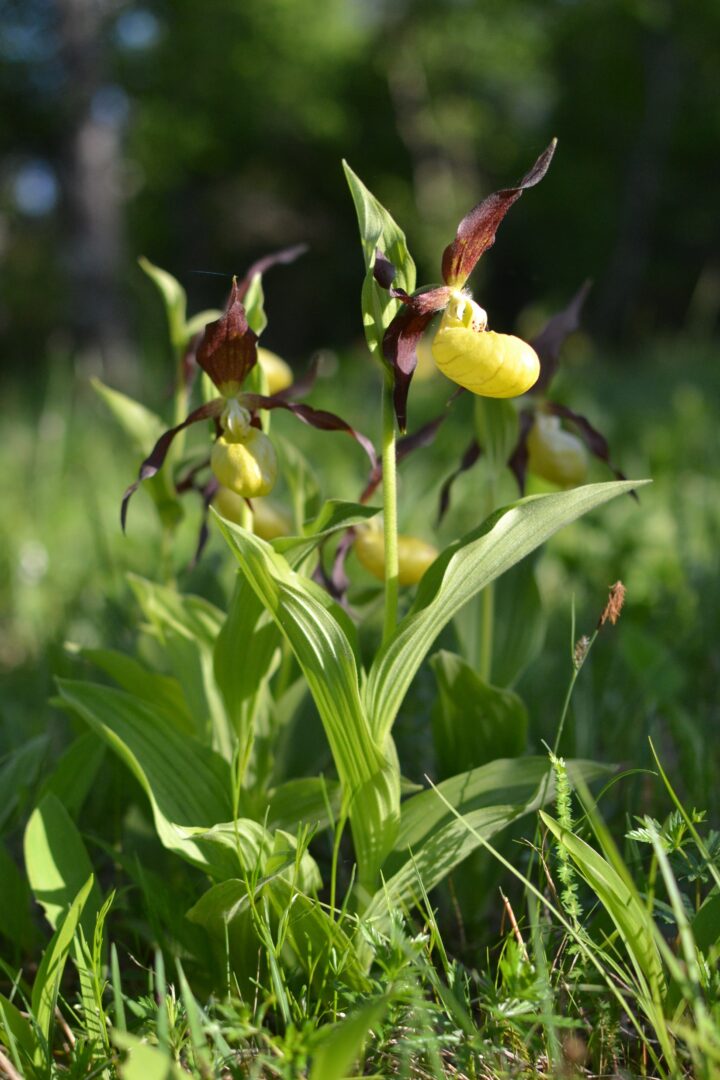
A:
246,517
389,463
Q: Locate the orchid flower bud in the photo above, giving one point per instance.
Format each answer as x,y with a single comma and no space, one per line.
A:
249,467
555,454
488,364
414,556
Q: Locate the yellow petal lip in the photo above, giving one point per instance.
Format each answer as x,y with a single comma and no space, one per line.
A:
483,362
249,468
278,374
268,520
555,454
414,555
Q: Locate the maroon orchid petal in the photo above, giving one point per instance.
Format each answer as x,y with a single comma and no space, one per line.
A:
548,343
187,481
424,436
317,418
277,258
228,350
154,462
471,455
337,582
208,493
383,270
518,462
596,443
401,340
303,385
476,231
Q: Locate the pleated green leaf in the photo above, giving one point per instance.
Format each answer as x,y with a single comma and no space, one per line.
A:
316,633
187,628
378,230
188,784
461,572
57,863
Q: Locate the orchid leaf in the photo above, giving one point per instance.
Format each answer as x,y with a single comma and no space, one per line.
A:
379,232
316,631
473,722
187,783
432,841
174,298
461,572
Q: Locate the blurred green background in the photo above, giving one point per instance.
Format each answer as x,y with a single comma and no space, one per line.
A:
204,135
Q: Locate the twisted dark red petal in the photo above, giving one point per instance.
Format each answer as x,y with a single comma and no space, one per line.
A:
402,337
317,418
548,343
471,455
424,436
277,258
518,462
596,442
154,461
476,231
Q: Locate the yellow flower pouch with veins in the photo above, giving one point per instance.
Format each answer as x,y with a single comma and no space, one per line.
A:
486,363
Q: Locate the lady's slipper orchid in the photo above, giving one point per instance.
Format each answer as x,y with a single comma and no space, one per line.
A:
414,555
243,458
543,446
486,363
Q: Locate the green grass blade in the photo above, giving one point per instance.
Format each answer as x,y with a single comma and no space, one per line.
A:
341,1044
47,980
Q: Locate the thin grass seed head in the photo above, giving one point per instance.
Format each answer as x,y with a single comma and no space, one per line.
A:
565,869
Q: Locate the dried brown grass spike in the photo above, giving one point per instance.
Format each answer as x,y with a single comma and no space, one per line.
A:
616,599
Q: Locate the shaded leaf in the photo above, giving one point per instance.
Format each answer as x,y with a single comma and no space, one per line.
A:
473,722
188,785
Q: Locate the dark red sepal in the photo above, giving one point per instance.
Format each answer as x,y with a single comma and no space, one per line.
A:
476,231
383,270
154,461
471,455
228,350
277,258
207,492
548,343
401,340
302,386
317,418
518,462
596,443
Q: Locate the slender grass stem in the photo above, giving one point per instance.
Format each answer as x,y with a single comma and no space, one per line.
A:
389,463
